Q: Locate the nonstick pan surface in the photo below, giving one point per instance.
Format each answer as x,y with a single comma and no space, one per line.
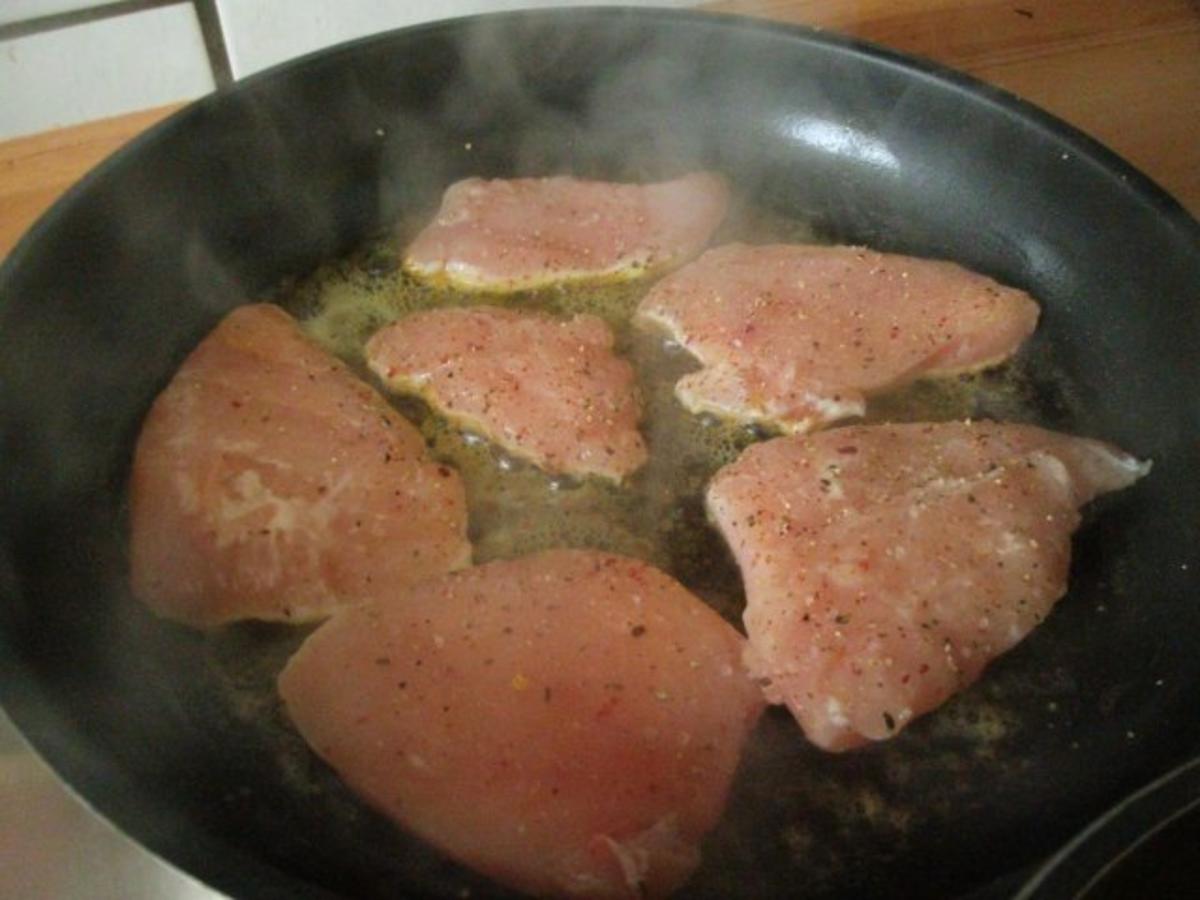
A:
174,735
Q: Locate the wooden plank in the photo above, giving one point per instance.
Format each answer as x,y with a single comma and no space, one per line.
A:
968,32
1126,73
1145,107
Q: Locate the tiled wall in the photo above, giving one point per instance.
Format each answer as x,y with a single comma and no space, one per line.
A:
69,61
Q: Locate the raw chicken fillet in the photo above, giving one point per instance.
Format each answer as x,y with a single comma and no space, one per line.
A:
885,566
508,235
270,483
799,336
550,391
567,723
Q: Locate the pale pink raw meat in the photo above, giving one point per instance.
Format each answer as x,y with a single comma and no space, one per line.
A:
271,483
799,336
551,391
885,566
506,235
567,723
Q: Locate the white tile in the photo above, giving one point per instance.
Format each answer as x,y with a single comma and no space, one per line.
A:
261,33
20,10
100,69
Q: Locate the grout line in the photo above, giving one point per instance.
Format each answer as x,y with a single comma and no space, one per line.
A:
214,41
55,21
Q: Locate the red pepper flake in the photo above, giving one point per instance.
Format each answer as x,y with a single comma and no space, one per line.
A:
607,707
848,450
638,630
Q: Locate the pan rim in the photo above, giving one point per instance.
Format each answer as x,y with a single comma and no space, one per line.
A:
1085,860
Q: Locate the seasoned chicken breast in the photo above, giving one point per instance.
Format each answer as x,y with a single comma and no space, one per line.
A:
271,483
567,723
509,235
548,390
885,566
799,336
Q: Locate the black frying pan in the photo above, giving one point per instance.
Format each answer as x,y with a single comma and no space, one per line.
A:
168,733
